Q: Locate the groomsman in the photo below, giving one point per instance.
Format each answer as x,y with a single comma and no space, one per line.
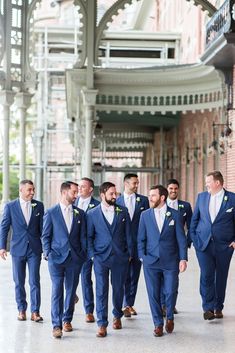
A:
136,204
185,210
162,247
110,244
24,215
64,246
213,235
86,202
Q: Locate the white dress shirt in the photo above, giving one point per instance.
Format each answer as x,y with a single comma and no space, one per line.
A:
172,203
26,209
130,201
108,212
83,203
215,204
67,212
160,214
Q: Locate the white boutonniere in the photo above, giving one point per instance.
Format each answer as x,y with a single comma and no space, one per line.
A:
91,205
141,208
33,205
138,199
225,198
123,220
38,214
118,210
172,222
168,214
229,210
180,206
76,212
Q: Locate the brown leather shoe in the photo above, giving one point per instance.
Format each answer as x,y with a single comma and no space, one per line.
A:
36,317
90,318
117,324
176,311
209,315
57,332
76,299
126,311
219,314
132,310
67,327
21,316
158,331
169,326
102,332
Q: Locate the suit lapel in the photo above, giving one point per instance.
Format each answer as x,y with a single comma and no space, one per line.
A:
223,205
208,196
19,211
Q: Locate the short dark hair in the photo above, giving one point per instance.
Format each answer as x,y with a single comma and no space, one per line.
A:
92,185
162,190
216,174
26,181
105,186
173,181
129,176
66,185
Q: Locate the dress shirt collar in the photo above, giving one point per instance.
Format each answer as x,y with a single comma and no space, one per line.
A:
127,196
219,194
22,202
64,207
162,210
106,208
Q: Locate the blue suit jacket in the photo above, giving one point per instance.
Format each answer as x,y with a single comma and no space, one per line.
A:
186,212
222,229
23,235
142,204
93,203
169,246
104,239
57,242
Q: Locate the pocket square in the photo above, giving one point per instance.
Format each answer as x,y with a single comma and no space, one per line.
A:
184,214
79,222
38,214
123,220
172,222
229,209
141,208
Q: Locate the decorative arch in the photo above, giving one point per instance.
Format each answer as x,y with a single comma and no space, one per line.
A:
121,4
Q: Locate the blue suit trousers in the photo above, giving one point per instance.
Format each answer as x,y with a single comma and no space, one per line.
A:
19,274
87,287
118,273
214,266
131,284
63,276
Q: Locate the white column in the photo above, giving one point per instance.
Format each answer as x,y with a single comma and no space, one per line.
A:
22,101
6,100
89,98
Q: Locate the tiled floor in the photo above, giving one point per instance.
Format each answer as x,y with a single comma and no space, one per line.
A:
192,333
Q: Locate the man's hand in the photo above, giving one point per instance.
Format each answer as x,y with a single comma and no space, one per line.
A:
182,265
3,254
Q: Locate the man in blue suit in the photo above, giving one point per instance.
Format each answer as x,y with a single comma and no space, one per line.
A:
136,204
87,202
162,247
213,235
110,244
185,210
24,215
64,246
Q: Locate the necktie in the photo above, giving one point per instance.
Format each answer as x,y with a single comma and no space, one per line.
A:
109,214
81,205
67,218
212,208
159,220
26,212
173,204
129,205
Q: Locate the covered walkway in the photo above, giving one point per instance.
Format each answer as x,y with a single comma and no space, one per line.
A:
192,333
